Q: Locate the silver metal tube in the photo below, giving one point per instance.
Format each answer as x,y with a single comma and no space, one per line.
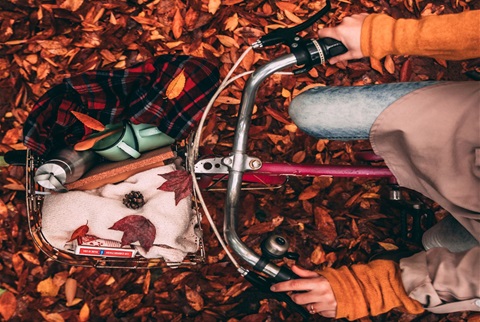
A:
239,155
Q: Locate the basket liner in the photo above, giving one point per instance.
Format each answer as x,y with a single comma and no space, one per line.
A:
101,208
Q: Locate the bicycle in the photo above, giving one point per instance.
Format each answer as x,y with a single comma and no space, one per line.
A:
238,167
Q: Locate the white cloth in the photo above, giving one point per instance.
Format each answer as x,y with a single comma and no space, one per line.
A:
101,208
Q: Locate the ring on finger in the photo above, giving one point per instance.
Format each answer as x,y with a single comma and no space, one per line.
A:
311,309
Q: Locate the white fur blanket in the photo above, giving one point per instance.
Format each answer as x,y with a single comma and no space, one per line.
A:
102,207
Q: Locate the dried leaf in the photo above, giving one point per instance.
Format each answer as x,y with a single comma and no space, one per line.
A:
12,136
130,302
51,317
89,121
227,41
70,290
309,193
8,305
79,232
48,288
406,71
179,182
318,255
213,6
376,64
3,209
194,298
227,100
276,115
17,263
71,5
136,228
299,157
231,23
325,224
176,86
292,17
84,314
177,24
389,64
286,6
388,246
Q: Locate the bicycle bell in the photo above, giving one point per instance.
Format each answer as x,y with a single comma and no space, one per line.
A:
275,246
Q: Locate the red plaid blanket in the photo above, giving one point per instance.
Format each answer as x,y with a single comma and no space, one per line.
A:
136,94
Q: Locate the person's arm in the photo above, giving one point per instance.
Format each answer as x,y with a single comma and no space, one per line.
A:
449,36
423,281
351,292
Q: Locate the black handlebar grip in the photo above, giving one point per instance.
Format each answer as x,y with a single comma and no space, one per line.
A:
285,274
16,157
332,47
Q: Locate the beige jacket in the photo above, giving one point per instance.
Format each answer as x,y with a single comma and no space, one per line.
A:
430,140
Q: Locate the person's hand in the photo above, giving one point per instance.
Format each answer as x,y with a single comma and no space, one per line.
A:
317,294
348,32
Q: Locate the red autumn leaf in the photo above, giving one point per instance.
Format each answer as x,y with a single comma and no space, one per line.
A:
178,181
79,232
136,228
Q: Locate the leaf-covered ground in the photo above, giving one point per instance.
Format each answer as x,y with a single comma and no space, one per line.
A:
328,222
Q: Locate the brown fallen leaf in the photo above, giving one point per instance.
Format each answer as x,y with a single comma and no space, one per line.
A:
130,302
179,182
176,86
89,121
194,298
51,317
177,24
70,290
8,305
84,314
325,224
47,287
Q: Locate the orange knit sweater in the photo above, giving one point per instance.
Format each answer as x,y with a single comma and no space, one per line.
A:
369,289
450,36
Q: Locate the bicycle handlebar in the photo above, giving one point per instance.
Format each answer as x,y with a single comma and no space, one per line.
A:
304,53
308,53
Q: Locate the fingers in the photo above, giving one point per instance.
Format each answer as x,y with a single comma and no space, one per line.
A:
327,314
298,285
328,33
303,272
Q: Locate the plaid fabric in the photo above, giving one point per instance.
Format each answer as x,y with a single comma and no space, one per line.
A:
136,94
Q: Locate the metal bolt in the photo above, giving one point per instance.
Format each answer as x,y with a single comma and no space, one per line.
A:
227,161
294,45
296,38
255,164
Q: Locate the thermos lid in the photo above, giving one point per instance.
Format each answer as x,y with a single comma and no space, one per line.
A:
51,175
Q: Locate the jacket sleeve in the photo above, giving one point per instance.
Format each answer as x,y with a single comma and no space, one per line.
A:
449,36
438,279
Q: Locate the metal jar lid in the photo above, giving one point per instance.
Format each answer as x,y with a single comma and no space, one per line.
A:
52,175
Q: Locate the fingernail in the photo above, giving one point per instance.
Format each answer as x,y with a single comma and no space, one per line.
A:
273,288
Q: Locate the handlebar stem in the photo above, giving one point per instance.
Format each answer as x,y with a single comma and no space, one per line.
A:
239,158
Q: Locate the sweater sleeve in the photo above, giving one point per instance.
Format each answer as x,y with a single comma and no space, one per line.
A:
449,36
369,289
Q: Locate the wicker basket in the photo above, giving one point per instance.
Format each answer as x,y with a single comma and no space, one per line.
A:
35,195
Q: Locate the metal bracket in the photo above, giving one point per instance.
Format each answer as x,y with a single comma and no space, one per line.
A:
249,164
221,165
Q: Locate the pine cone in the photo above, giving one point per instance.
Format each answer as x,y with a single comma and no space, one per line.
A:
134,200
